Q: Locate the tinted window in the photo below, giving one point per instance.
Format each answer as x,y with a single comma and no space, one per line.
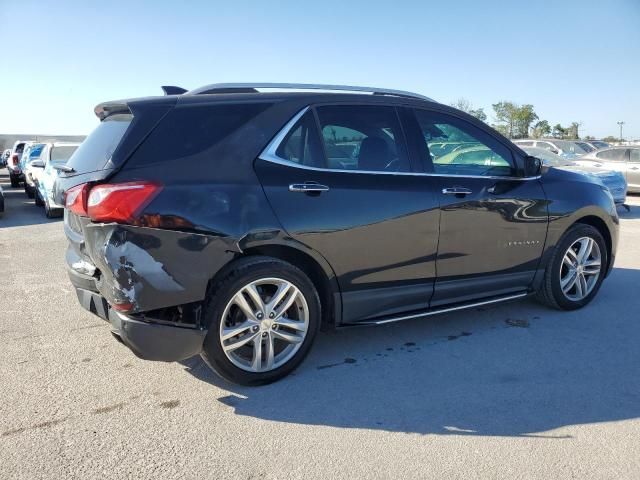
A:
192,130
19,148
301,144
585,146
36,151
635,155
62,153
546,146
98,147
459,148
363,137
613,155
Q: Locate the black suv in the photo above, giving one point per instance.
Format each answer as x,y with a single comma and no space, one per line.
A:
233,223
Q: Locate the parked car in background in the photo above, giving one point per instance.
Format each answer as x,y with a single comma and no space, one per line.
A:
4,158
31,154
597,144
1,201
625,159
260,235
54,155
564,148
588,148
13,165
614,180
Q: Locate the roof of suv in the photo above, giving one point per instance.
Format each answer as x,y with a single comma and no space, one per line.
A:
221,88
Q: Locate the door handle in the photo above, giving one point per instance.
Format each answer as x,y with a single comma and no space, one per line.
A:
457,191
308,187
634,168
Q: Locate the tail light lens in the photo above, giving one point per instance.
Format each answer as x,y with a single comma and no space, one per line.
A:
14,159
120,202
75,199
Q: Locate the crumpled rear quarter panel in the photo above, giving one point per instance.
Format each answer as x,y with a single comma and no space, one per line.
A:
152,268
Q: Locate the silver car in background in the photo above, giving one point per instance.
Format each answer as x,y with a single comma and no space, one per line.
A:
611,179
623,159
564,148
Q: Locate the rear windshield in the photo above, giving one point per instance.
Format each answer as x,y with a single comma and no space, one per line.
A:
19,148
94,153
60,154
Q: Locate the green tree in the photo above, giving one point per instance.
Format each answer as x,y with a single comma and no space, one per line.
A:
505,117
541,129
514,120
525,116
558,131
573,131
479,114
467,107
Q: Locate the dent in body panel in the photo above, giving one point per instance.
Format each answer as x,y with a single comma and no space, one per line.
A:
151,268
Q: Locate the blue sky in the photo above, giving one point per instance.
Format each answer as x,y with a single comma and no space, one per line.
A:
573,60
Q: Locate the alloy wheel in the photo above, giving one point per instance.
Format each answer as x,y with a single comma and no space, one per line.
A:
581,268
264,324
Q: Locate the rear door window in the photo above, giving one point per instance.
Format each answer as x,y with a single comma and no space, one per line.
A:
613,155
94,153
363,137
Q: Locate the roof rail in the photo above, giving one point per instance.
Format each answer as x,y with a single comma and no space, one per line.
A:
218,88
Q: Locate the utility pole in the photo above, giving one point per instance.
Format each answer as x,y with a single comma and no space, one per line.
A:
621,124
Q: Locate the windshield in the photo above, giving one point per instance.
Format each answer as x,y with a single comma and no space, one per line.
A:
571,147
61,153
548,158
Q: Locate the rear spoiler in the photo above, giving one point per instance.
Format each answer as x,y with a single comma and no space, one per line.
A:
171,90
103,110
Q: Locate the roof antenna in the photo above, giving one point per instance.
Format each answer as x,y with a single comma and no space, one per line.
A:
171,90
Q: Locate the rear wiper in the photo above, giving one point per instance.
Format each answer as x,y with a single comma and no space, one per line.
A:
64,168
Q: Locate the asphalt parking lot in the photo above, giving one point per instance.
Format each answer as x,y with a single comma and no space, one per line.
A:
511,391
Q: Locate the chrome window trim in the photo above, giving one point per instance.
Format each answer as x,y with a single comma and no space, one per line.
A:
269,155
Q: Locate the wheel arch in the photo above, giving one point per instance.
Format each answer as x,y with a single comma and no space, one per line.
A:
600,225
317,269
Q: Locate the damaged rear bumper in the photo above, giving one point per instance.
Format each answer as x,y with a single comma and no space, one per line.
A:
145,338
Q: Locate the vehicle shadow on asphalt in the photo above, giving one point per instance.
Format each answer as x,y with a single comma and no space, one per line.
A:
19,210
518,369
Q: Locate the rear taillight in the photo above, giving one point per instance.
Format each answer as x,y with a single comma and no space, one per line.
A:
75,199
15,159
120,202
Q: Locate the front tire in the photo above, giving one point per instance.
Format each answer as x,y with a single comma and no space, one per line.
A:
576,269
263,317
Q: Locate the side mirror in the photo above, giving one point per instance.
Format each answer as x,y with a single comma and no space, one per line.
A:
37,164
532,166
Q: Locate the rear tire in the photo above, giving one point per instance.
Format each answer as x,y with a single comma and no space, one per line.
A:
38,199
286,329
15,183
576,269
